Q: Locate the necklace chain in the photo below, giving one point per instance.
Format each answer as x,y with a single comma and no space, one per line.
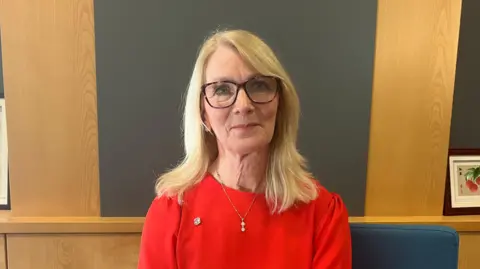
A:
242,219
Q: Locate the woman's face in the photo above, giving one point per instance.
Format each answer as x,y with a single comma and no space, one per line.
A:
244,126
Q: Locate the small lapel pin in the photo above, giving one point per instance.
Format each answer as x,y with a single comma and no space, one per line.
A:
197,221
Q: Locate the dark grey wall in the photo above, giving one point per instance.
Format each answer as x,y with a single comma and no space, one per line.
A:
465,125
145,54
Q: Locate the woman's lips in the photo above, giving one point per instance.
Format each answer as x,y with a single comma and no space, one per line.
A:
244,126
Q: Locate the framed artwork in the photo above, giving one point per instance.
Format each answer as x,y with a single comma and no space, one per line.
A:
462,189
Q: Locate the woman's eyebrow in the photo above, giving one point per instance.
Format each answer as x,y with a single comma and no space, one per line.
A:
225,78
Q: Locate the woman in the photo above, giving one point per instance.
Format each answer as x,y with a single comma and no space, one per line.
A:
242,197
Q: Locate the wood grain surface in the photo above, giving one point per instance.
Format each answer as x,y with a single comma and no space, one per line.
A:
468,253
3,251
70,225
50,88
73,251
415,63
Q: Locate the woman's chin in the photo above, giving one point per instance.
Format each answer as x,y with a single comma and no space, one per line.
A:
248,145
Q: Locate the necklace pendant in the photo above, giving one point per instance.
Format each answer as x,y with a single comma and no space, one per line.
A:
243,226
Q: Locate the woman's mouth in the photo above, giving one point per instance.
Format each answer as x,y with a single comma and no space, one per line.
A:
244,126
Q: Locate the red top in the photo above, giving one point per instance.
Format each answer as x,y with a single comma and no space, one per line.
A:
313,235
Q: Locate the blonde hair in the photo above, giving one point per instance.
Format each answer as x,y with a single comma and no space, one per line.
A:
287,178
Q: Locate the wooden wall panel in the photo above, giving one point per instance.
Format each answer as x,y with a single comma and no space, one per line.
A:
468,254
415,58
50,88
108,251
3,251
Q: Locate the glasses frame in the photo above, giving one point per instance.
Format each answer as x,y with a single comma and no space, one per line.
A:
240,86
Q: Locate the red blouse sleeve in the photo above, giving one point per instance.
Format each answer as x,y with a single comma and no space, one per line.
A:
159,235
333,239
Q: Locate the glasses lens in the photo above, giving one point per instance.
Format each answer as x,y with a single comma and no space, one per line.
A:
262,89
221,94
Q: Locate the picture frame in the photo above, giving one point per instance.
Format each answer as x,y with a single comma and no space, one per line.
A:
462,188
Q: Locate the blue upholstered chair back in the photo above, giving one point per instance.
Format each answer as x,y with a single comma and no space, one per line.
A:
378,246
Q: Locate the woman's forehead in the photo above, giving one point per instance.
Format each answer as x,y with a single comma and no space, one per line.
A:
226,64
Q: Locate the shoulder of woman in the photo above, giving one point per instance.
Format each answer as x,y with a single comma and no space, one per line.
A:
163,208
329,204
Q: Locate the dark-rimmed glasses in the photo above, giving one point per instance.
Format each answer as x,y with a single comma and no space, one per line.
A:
259,89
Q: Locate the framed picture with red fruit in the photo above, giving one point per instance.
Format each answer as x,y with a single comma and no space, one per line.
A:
462,189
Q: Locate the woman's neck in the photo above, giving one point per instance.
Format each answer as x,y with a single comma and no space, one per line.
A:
242,172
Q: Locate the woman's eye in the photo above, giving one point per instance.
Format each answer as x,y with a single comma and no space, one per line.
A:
259,86
222,90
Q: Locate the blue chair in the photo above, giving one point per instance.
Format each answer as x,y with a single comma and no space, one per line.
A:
381,246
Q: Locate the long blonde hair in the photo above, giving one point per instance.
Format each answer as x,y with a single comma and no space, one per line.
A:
287,178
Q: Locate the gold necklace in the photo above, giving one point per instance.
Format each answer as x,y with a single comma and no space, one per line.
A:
242,219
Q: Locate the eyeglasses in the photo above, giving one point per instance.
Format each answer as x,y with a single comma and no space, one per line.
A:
259,89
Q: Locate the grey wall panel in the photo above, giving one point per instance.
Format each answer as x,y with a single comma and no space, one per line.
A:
465,125
145,53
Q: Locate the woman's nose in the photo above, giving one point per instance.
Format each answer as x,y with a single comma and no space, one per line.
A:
243,104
